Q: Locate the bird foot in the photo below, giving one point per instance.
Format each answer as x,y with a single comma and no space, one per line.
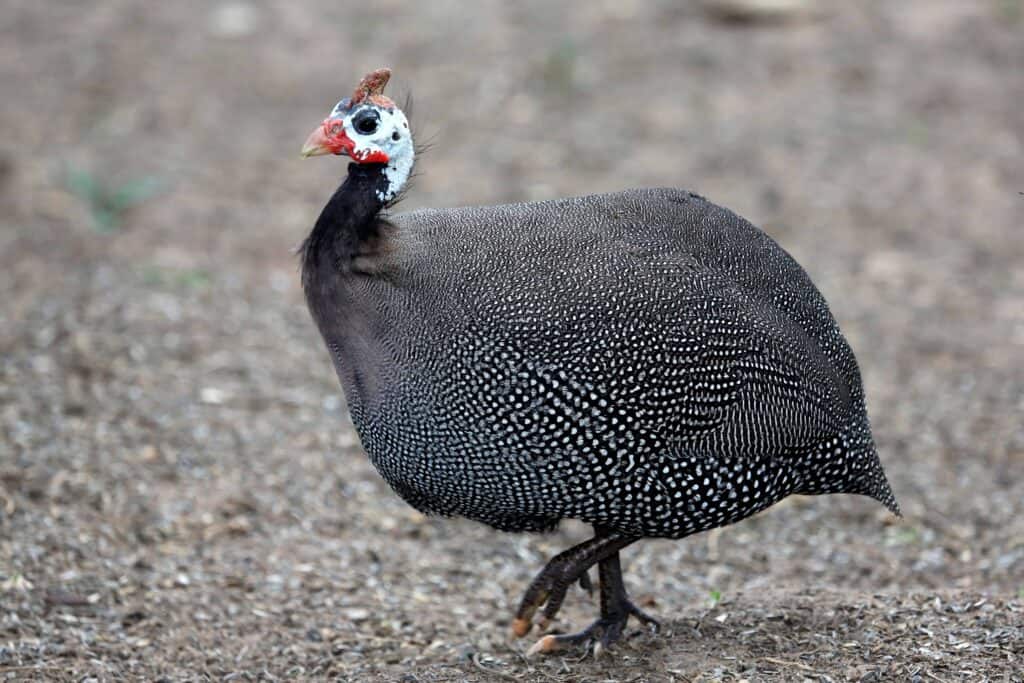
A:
548,588
603,633
548,591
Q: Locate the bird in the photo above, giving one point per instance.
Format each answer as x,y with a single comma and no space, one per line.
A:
644,361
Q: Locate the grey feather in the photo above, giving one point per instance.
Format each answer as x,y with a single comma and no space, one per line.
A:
645,361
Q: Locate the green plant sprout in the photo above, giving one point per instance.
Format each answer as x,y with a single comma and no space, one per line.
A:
108,203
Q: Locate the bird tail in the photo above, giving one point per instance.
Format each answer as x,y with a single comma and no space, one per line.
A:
879,488
857,458
873,482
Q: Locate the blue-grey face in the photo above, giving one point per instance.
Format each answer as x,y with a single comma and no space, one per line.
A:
341,108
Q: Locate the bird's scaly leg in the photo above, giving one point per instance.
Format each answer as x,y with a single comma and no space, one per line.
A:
616,609
548,589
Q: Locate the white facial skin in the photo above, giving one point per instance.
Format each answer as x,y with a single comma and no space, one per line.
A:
385,136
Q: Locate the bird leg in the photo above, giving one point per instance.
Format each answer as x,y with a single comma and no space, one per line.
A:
616,609
549,587
585,582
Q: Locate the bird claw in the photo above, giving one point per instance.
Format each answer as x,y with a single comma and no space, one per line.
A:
551,600
560,642
520,627
548,589
644,618
603,633
544,646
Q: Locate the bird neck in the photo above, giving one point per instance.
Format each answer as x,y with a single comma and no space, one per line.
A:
350,218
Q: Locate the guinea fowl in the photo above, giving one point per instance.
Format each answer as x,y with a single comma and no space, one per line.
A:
643,361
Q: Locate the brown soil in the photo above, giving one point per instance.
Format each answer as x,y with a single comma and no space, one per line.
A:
181,494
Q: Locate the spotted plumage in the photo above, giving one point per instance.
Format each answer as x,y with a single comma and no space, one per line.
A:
644,361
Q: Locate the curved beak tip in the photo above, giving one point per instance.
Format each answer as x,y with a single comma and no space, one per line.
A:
316,144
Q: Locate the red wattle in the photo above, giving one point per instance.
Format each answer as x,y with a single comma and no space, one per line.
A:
374,157
340,143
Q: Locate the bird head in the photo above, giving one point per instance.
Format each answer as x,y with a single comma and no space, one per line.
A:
367,127
370,129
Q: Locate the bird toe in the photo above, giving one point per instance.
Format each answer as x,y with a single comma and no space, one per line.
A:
546,645
520,627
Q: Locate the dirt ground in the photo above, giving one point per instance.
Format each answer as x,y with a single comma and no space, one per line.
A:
182,496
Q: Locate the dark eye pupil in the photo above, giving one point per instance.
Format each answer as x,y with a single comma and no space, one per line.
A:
365,123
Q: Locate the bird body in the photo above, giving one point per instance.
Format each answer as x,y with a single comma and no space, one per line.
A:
644,361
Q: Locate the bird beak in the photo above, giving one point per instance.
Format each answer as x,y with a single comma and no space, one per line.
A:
317,143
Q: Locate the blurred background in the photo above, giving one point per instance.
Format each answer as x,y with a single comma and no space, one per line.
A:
181,492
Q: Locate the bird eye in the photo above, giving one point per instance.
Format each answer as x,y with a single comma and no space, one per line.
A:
366,122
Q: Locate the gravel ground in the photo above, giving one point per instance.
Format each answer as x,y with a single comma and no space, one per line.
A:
182,496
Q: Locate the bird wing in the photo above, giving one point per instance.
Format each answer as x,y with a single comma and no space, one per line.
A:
617,320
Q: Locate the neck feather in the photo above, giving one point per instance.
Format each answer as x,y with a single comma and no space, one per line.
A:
349,219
